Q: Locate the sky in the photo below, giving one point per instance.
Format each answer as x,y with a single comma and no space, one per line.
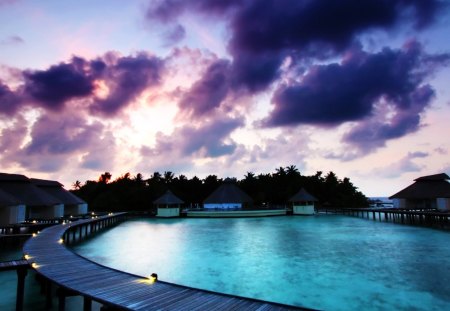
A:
226,87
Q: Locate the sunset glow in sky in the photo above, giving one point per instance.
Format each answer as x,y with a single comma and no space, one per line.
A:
197,87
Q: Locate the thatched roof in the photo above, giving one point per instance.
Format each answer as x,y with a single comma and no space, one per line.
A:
20,187
168,198
56,190
228,192
303,196
7,199
426,187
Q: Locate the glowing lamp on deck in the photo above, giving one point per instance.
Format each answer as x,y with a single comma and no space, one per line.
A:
26,256
60,241
34,265
34,234
153,278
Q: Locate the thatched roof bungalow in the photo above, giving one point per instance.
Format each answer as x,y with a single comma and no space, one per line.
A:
227,196
427,192
168,205
39,204
73,205
303,203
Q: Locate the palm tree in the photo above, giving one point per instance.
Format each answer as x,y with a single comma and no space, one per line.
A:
76,185
105,178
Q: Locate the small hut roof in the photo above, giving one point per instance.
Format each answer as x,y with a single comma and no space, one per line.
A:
228,192
168,198
56,190
426,187
302,196
7,199
20,187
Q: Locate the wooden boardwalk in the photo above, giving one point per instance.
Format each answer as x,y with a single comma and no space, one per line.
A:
76,275
13,265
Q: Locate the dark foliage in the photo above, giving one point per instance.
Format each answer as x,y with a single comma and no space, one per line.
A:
137,194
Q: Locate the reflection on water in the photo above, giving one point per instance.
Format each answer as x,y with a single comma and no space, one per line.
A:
324,262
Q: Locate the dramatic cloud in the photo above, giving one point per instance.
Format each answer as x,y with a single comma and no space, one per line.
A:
126,78
106,84
263,32
207,93
53,87
9,101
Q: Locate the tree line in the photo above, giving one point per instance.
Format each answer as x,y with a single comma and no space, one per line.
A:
136,193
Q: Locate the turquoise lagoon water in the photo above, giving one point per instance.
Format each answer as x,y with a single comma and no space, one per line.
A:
326,262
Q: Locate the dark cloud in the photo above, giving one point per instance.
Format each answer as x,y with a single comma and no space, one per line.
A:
9,100
335,93
263,32
51,88
207,93
127,78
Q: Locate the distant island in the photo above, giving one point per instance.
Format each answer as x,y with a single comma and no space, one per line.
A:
136,193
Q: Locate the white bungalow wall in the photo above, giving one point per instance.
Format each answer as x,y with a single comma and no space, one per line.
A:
222,205
168,212
12,214
46,212
443,204
303,210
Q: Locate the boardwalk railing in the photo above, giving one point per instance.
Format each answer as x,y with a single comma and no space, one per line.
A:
75,275
430,218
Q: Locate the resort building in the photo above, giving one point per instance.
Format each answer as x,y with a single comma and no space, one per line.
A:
168,205
39,204
73,205
227,196
427,192
303,203
12,211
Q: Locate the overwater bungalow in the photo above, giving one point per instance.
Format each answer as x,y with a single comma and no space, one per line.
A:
168,205
12,210
303,203
73,205
227,196
39,204
427,192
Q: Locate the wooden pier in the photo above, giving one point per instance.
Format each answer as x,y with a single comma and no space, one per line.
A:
420,217
75,275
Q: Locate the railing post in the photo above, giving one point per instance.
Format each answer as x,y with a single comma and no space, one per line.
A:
21,274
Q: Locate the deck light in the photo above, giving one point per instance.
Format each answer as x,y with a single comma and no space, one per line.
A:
34,221
34,234
34,265
26,257
60,241
153,278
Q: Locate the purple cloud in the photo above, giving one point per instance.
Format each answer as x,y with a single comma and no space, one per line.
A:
206,94
51,88
127,78
61,135
335,93
9,101
210,139
263,32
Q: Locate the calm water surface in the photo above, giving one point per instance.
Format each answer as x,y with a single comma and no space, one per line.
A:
324,262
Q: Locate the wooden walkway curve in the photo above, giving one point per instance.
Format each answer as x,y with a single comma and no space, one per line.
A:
76,275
